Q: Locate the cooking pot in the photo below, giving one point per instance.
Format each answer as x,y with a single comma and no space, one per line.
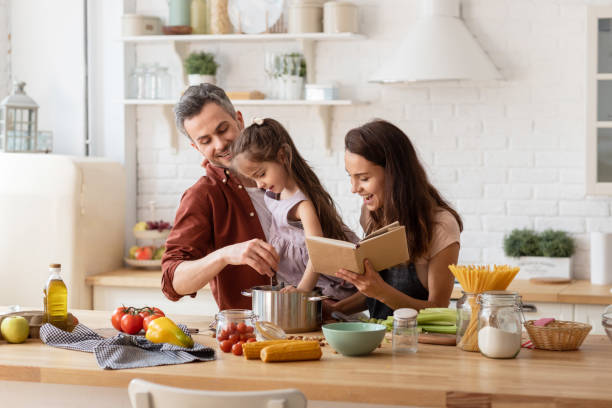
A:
294,312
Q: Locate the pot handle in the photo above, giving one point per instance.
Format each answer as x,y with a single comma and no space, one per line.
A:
317,298
247,293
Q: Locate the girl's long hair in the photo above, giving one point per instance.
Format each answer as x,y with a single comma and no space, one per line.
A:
264,142
409,197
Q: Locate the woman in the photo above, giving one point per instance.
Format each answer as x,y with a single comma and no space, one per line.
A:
385,170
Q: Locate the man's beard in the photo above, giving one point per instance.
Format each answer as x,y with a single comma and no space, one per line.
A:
215,161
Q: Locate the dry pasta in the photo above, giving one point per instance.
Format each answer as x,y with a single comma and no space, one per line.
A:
477,279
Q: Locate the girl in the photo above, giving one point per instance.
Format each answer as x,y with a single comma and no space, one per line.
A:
386,172
297,201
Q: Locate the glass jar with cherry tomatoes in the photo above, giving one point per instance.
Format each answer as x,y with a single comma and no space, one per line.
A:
234,328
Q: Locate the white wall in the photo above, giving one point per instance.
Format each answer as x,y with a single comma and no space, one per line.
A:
4,49
47,53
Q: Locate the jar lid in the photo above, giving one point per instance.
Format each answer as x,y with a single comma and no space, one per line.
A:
55,266
405,313
498,297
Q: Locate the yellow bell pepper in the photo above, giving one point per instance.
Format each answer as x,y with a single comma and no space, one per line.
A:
163,330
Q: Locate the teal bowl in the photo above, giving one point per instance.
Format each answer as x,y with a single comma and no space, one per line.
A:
354,338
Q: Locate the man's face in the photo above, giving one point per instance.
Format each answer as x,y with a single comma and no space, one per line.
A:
212,131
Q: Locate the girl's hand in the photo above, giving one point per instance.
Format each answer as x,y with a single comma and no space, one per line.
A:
288,289
370,283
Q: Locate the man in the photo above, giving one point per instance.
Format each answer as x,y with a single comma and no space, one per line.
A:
218,236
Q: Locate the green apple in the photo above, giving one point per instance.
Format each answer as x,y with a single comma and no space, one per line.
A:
15,329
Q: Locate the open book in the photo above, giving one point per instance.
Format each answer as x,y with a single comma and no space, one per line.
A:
384,248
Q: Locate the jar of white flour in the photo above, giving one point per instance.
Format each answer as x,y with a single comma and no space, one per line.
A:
499,324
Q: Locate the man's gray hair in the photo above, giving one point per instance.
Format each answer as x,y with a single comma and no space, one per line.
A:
195,98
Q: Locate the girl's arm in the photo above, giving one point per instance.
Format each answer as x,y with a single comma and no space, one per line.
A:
439,279
306,213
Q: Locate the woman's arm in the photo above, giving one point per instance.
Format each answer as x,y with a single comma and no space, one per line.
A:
439,279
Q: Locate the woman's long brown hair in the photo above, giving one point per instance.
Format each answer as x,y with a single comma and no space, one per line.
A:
409,197
264,143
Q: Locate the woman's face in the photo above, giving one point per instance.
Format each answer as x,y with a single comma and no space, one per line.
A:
367,180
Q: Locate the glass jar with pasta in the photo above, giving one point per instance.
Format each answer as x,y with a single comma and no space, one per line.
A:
476,279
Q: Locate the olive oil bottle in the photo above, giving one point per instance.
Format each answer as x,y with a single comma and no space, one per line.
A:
56,299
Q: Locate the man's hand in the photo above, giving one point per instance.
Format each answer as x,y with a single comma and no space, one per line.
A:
256,253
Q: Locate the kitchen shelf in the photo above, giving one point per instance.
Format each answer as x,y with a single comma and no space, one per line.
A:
249,102
243,37
323,109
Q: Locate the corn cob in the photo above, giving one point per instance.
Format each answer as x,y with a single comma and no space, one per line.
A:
251,350
296,350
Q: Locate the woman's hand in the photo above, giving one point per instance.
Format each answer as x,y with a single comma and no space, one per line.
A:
370,283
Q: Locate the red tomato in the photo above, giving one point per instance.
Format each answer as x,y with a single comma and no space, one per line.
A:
250,329
226,346
243,336
237,348
117,315
158,311
224,335
251,340
234,338
131,323
232,327
250,335
241,327
147,320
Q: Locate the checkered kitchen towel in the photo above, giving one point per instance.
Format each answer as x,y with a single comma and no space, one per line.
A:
123,350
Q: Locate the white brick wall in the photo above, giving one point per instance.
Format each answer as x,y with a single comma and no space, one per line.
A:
509,154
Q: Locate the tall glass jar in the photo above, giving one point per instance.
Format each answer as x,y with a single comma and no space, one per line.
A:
405,334
235,325
136,84
164,83
467,323
150,81
499,324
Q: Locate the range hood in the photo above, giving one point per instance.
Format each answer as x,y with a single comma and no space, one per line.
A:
438,48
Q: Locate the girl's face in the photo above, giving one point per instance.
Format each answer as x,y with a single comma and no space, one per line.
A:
367,180
269,175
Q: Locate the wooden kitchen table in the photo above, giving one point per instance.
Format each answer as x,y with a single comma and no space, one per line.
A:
435,376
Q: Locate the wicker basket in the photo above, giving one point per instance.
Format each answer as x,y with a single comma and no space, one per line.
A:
557,335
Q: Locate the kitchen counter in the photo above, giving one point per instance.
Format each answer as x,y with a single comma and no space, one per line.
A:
578,291
435,376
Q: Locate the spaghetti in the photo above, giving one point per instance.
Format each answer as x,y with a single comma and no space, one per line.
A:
477,279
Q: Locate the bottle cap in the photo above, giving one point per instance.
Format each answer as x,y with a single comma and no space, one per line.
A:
55,266
405,313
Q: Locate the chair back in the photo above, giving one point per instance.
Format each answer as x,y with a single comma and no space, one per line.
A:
145,394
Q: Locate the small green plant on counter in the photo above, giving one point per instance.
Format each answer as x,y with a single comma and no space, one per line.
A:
550,243
201,63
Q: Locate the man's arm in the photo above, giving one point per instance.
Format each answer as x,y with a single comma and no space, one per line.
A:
190,276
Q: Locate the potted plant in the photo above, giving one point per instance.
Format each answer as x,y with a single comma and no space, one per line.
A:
292,76
201,67
545,254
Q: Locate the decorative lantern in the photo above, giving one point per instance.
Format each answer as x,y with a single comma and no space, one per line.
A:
18,121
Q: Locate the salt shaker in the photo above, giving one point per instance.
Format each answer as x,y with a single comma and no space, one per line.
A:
405,334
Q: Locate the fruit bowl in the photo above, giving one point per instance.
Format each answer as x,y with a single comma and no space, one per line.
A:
146,263
152,234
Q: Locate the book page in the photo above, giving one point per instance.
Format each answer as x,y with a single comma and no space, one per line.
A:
385,250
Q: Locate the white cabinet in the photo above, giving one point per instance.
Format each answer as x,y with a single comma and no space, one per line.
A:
599,101
560,311
110,297
590,314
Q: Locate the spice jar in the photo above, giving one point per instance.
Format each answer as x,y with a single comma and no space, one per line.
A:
466,324
305,16
499,324
235,325
405,334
